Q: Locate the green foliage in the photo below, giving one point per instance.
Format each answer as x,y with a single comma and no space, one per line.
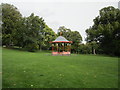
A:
33,28
0,24
30,32
106,30
73,36
89,48
48,35
10,18
32,47
84,49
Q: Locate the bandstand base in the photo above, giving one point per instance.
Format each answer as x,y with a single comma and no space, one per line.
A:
61,53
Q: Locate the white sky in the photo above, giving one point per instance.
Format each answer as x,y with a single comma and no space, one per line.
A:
76,15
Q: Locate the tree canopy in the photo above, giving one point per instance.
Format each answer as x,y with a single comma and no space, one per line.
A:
106,30
70,35
30,32
10,18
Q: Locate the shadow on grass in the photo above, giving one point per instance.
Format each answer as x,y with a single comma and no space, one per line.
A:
25,50
15,48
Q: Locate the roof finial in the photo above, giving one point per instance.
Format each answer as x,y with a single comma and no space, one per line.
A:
60,33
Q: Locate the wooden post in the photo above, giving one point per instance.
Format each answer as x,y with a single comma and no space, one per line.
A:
52,48
63,46
67,48
70,48
57,48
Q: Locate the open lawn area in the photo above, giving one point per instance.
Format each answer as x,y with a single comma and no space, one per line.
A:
22,69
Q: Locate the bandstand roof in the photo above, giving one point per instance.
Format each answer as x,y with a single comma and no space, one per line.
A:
61,39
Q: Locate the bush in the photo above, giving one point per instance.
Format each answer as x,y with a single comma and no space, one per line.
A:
32,47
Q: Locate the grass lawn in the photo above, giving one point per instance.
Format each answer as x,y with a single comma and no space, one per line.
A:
41,70
0,68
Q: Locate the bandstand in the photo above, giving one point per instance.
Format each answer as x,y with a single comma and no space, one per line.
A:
61,46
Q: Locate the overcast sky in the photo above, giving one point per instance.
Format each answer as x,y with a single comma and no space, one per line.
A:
76,15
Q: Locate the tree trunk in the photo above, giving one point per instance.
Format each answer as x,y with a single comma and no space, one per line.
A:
39,47
94,52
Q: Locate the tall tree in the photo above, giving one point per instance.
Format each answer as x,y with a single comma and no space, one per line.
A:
10,18
30,32
48,35
73,36
32,28
0,24
106,30
34,34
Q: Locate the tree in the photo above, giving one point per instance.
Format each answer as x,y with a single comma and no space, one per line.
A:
48,35
30,33
10,18
106,30
93,46
20,33
0,25
32,28
73,36
34,34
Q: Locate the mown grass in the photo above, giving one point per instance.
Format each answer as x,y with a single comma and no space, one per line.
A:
41,70
0,67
